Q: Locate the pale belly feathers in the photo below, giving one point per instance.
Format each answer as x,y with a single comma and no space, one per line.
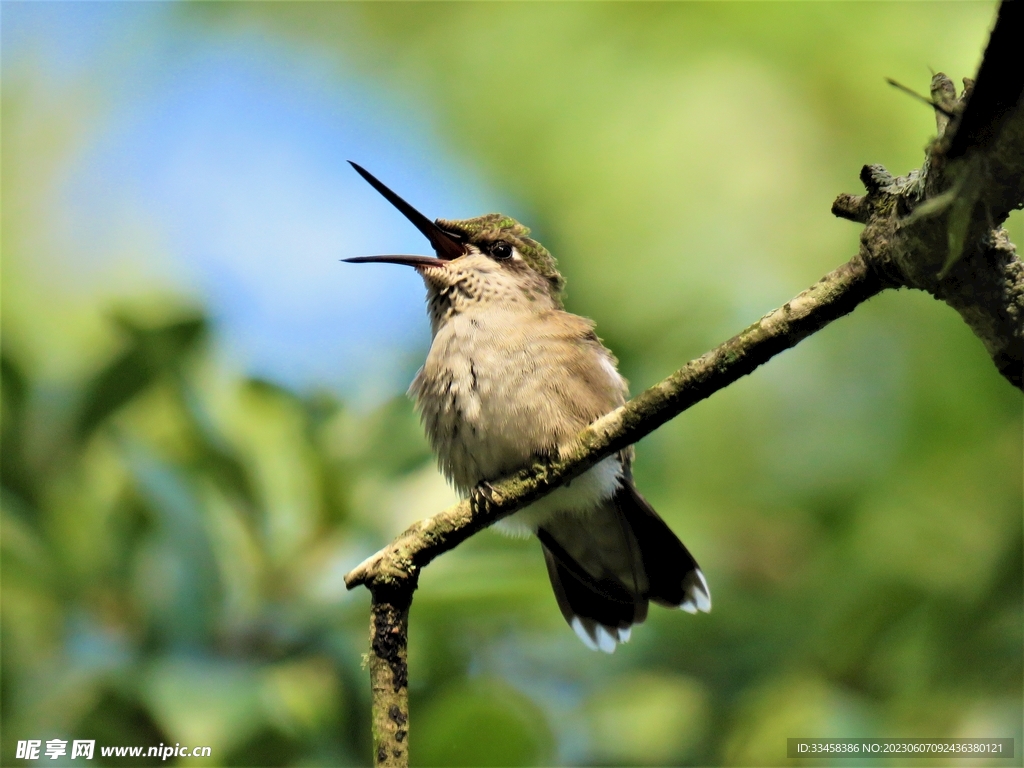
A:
497,391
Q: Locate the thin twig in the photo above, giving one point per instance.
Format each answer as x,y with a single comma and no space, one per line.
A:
911,92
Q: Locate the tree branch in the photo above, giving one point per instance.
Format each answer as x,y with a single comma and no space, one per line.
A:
835,295
935,229
389,675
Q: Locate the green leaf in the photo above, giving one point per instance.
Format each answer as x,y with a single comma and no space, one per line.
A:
178,576
14,475
150,352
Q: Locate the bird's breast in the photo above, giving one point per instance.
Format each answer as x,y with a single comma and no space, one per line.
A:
500,388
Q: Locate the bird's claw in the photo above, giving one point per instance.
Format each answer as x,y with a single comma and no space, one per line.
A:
482,496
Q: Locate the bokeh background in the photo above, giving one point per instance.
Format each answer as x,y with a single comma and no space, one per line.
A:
204,424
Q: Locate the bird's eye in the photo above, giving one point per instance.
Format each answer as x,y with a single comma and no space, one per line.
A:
501,250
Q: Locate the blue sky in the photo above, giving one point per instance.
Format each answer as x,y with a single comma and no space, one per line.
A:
230,149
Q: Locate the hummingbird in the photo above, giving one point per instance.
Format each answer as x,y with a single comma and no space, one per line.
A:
512,378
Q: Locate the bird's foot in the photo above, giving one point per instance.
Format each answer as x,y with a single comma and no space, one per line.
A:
482,496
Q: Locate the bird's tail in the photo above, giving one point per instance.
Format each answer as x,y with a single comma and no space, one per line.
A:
605,566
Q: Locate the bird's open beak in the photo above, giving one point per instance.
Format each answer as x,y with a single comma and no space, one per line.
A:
446,245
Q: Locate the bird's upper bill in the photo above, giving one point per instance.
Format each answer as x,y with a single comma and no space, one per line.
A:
453,239
447,245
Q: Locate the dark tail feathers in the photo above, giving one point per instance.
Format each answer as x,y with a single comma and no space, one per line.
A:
606,566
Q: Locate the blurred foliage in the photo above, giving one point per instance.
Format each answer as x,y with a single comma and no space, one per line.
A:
175,535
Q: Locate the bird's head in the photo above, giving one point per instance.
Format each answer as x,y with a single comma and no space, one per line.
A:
486,259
